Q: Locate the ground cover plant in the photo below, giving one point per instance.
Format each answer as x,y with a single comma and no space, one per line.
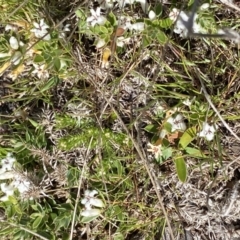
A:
119,120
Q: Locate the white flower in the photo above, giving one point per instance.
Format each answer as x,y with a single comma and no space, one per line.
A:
152,15
40,71
7,163
187,102
177,123
157,150
180,17
21,184
8,190
40,30
138,26
125,22
207,131
121,41
16,58
90,212
10,27
96,17
173,15
63,30
89,200
204,6
100,43
14,43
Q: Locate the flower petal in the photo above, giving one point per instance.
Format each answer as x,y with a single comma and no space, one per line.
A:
13,43
90,213
7,175
152,15
96,202
16,58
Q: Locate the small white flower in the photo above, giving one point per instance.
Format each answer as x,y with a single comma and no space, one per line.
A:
157,150
21,184
100,43
40,71
90,212
204,6
40,30
173,15
187,102
10,27
63,30
13,43
207,131
8,190
177,123
96,17
138,26
152,15
121,41
7,163
89,200
6,175
125,22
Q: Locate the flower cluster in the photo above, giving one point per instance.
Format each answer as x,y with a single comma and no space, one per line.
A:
179,17
19,182
40,30
90,200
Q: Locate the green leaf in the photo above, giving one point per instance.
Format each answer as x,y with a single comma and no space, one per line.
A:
52,82
190,2
80,14
118,236
167,153
57,64
38,59
187,137
181,168
37,222
112,19
161,37
158,9
163,23
146,40
151,128
88,219
195,152
7,231
35,124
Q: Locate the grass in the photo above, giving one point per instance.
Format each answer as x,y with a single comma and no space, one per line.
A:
74,119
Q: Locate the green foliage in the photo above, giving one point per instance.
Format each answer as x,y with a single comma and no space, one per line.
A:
153,31
181,168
